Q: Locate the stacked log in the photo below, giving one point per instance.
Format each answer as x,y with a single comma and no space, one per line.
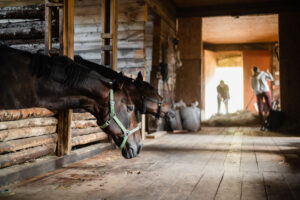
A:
22,27
85,130
26,134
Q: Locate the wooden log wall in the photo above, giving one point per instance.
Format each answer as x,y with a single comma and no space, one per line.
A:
85,130
26,134
23,27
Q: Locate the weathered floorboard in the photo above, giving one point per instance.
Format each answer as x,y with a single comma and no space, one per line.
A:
215,163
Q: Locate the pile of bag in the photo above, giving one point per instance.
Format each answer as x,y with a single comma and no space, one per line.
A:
186,117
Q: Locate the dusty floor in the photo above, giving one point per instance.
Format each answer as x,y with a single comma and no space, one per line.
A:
216,163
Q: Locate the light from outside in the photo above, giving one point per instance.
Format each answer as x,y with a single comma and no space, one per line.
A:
233,77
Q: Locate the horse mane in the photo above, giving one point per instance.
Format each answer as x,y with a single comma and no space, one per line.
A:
101,69
60,68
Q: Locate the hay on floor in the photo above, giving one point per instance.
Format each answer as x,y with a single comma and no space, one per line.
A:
239,118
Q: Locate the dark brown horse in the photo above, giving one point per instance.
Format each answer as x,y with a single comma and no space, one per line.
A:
35,80
145,96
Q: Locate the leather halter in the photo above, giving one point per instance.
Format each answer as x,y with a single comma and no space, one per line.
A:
159,104
113,116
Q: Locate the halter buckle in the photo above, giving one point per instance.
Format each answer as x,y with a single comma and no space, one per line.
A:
126,133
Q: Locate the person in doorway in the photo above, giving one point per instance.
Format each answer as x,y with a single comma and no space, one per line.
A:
261,89
223,95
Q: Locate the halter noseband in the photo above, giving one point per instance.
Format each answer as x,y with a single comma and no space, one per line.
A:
115,118
159,104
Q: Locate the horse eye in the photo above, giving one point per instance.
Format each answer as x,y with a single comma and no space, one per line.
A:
123,100
130,108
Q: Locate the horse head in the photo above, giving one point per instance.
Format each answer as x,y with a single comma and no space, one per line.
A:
117,117
149,101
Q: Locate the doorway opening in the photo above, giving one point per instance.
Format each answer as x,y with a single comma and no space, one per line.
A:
228,67
232,46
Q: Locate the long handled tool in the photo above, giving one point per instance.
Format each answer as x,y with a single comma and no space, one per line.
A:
249,102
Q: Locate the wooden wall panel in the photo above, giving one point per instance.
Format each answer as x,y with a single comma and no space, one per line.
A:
188,81
131,27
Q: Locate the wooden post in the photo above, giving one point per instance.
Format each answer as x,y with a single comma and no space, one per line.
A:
109,12
114,31
65,117
145,69
48,29
68,30
105,22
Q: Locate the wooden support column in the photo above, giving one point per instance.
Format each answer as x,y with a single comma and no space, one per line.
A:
114,31
66,40
68,30
48,29
65,117
289,42
109,12
145,70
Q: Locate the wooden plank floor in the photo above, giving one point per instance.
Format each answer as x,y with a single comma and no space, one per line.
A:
216,163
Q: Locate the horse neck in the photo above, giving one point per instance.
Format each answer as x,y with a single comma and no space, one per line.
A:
59,90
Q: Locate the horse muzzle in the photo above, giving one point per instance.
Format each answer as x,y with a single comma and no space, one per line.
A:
132,150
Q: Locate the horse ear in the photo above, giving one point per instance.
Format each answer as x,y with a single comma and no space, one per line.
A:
139,78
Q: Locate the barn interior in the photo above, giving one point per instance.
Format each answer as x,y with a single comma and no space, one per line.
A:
183,48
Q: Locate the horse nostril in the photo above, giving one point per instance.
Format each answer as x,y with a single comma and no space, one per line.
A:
130,108
130,153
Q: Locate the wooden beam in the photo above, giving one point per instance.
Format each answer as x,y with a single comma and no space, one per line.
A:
31,122
17,133
89,138
26,155
105,23
114,31
68,30
65,117
11,115
15,145
240,47
34,12
143,128
8,3
85,131
238,9
48,29
106,36
106,48
166,9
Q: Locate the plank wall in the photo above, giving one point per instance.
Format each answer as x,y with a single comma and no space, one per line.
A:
131,29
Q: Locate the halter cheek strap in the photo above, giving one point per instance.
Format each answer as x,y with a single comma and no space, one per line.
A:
159,105
116,119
